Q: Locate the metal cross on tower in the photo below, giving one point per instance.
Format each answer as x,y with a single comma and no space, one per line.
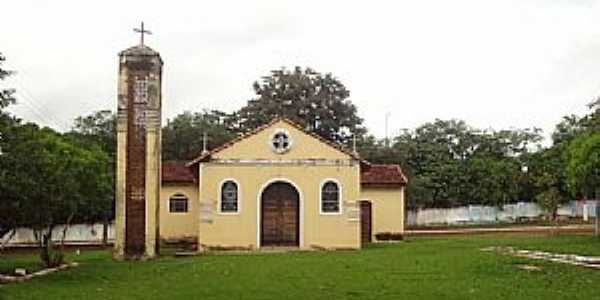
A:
142,31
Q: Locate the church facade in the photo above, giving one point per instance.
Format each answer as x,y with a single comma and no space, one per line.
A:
280,186
277,186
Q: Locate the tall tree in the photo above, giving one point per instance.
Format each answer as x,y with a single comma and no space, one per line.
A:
583,157
97,133
6,123
318,102
583,169
576,142
50,181
183,136
98,128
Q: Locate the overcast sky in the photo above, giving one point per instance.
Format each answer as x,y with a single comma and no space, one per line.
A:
496,64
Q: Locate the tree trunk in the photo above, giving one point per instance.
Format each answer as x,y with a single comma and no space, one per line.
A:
46,246
64,233
596,194
105,231
597,217
10,234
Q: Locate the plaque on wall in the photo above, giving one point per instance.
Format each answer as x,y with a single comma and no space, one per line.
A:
206,212
352,211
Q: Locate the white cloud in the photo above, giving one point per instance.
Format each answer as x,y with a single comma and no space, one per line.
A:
493,63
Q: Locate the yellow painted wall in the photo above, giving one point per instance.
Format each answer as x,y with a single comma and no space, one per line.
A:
387,208
242,229
175,226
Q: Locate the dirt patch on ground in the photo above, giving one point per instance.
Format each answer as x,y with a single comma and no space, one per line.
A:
528,267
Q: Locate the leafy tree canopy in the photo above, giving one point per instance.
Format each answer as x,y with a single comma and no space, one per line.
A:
183,136
318,102
98,128
583,169
450,163
48,181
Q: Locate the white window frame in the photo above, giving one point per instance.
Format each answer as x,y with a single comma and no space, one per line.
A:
178,212
239,198
340,197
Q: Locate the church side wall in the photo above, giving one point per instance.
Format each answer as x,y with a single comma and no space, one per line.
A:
387,208
178,226
242,229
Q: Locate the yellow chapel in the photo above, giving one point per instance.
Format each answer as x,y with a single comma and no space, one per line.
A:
280,186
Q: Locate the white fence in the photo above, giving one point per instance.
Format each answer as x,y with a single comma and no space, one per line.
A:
477,214
76,234
474,214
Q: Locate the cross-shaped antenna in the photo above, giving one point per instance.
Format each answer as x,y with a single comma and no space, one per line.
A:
204,143
142,31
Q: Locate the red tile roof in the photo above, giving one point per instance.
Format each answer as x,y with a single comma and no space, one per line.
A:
177,172
382,175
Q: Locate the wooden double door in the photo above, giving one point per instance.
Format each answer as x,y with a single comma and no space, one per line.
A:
280,216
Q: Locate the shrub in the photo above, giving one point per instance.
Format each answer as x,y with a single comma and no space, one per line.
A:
389,236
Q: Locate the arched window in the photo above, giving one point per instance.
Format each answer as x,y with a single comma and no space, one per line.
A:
178,203
330,197
229,196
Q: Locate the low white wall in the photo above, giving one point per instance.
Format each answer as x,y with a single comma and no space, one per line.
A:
475,214
76,234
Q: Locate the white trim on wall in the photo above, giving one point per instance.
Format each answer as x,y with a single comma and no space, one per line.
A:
239,198
300,208
340,198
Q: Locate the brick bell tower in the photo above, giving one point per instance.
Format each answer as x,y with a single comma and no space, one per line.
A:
138,152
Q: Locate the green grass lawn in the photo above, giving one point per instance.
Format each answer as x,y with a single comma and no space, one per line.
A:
421,268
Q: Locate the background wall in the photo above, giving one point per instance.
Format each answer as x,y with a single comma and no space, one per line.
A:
76,234
476,214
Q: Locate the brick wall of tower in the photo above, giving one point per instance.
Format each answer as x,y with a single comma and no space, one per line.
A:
135,205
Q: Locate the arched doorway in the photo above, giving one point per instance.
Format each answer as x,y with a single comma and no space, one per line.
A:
280,215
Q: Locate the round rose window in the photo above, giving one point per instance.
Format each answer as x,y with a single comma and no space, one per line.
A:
281,141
